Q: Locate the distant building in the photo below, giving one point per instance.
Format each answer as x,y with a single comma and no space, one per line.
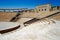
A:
43,8
55,8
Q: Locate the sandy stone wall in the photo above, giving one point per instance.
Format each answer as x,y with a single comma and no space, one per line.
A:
6,16
56,17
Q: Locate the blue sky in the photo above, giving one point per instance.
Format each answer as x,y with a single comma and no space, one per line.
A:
26,3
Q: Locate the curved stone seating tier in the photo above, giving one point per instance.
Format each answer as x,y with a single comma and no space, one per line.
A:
8,27
31,21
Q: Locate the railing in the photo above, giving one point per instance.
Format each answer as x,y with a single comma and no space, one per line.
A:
12,10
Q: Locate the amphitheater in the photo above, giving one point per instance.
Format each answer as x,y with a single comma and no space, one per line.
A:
26,17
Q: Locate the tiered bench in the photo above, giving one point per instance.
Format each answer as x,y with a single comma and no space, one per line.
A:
8,27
